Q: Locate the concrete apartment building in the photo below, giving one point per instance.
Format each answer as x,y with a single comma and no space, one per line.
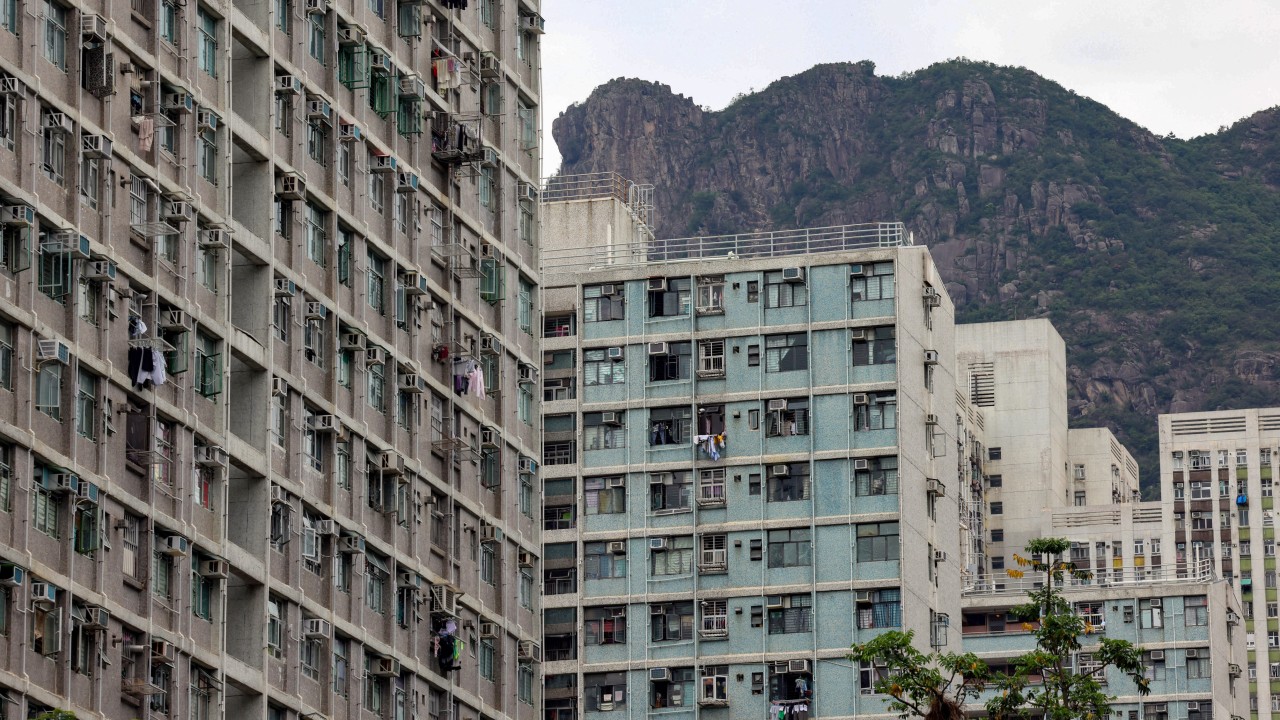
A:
267,358
747,462
1216,478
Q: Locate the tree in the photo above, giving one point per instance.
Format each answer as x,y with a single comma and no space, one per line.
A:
937,686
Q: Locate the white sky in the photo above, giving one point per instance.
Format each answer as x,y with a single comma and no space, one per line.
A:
1180,66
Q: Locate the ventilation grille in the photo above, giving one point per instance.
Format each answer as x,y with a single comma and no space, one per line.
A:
1269,422
1210,426
982,384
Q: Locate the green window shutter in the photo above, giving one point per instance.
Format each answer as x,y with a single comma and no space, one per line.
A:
210,375
19,249
493,281
177,360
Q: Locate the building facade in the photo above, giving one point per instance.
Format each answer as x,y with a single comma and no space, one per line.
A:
1216,475
745,462
267,346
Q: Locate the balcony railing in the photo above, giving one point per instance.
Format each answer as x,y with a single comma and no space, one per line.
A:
715,626
1193,571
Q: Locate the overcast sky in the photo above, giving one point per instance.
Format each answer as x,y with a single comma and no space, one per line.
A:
1180,66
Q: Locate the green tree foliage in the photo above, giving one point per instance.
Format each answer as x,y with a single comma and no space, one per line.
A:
937,686
56,715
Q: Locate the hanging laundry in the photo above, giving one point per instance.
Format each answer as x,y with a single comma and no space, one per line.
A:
147,367
137,328
159,370
476,380
146,132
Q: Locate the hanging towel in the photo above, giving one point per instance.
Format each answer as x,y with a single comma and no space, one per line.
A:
476,379
146,132
159,372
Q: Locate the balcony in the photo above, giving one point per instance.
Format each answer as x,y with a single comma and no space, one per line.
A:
712,496
714,626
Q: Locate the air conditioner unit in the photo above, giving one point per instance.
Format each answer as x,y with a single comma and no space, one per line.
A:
488,630
658,544
352,341
180,102
43,593
213,238
93,27
528,651
773,602
856,270
444,600
383,164
534,24
324,423
930,419
214,569
288,84
615,482
619,547
526,464
659,674
412,383
862,597
315,310
316,628
488,157
1192,652
291,186
53,350
526,373
798,666
525,559
178,211
931,297
490,68
490,345
61,482
939,556
609,290
351,544
527,193
385,667
163,651
614,353
58,122
177,546
100,270
658,348
605,705
95,146
779,471
861,464
410,86
489,436
375,356
777,405
391,463
934,486
490,533
380,62
1193,706
861,399
1157,654
96,618
206,120
349,132
20,215
793,274
610,418
406,182
350,36
210,456
12,86
858,334
279,496
319,109
284,287
325,527
317,7
657,284
12,575
1157,602
414,282
930,357
279,387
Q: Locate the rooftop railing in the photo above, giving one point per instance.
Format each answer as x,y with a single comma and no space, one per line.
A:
1195,571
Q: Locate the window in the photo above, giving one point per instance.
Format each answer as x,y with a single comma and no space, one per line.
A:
675,559
874,283
46,508
55,33
788,482
670,426
603,302
790,548
375,390
525,591
878,541
528,119
786,353
87,405
600,369
9,15
605,625
711,358
313,343
6,354
49,390
879,412
208,356
673,364
790,614
711,487
605,495
601,562
316,37
161,570
207,27
524,306
1197,610
672,299
671,492
314,221
375,586
1198,667
789,420
486,660
710,295
53,149
282,317
874,346
883,611
279,419
377,273
879,477
604,431
671,621
8,106
1150,615
90,179
779,293
341,662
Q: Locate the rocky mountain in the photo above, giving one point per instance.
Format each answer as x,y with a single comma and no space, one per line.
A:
1155,257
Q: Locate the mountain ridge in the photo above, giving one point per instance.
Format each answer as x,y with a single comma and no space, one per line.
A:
1149,253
